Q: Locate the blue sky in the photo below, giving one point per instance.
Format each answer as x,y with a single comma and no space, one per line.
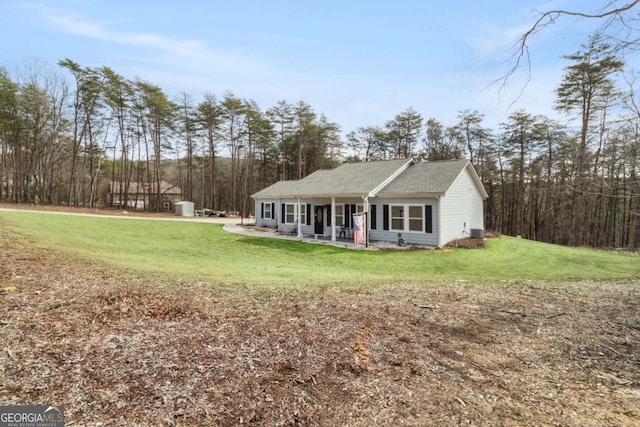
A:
358,62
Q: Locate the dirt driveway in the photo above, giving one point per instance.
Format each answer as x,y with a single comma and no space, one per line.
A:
110,213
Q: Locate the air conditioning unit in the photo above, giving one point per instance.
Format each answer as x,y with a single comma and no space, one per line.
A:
477,233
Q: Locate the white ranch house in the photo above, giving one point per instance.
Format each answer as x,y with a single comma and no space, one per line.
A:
424,203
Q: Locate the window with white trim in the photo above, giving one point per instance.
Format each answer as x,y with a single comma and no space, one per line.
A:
303,213
416,218
339,215
290,210
267,211
290,213
407,218
397,217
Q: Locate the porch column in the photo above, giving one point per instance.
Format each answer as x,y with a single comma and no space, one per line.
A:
367,224
439,222
333,219
299,219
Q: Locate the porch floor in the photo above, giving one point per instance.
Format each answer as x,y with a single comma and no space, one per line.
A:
344,242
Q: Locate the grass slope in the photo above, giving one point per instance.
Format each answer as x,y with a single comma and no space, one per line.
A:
206,252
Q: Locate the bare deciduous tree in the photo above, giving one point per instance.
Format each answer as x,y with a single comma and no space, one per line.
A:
620,25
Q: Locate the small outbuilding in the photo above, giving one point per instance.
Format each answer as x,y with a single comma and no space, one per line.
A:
184,209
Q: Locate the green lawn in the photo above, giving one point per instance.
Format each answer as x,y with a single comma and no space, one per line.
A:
203,251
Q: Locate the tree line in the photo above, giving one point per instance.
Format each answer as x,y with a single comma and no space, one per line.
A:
63,139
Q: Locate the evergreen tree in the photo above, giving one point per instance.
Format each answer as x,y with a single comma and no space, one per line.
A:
403,133
209,119
281,115
440,143
9,129
587,88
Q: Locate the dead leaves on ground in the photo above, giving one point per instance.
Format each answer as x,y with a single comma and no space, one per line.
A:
360,353
130,304
118,349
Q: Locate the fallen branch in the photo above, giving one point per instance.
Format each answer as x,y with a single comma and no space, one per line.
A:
426,307
516,313
460,401
9,352
615,351
553,316
636,327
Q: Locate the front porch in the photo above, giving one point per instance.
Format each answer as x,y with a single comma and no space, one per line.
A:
334,219
342,232
343,242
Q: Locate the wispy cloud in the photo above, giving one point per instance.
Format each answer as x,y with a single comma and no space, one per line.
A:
169,50
184,48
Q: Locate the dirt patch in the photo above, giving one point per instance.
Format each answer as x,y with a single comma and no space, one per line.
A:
121,349
467,243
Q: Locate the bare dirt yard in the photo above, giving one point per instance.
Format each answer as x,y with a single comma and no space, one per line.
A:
118,349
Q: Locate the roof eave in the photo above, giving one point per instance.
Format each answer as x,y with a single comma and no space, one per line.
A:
477,180
410,196
309,196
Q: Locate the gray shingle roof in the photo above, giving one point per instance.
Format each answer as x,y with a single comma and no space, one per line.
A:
346,179
426,178
350,178
278,189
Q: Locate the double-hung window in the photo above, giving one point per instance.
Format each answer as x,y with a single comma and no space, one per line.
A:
397,217
344,213
407,218
339,215
416,218
290,211
267,211
303,213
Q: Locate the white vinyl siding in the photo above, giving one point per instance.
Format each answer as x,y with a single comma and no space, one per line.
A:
463,205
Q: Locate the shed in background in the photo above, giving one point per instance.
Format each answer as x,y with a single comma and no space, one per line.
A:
184,208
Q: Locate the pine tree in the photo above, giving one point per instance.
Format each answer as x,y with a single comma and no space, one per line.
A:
587,87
